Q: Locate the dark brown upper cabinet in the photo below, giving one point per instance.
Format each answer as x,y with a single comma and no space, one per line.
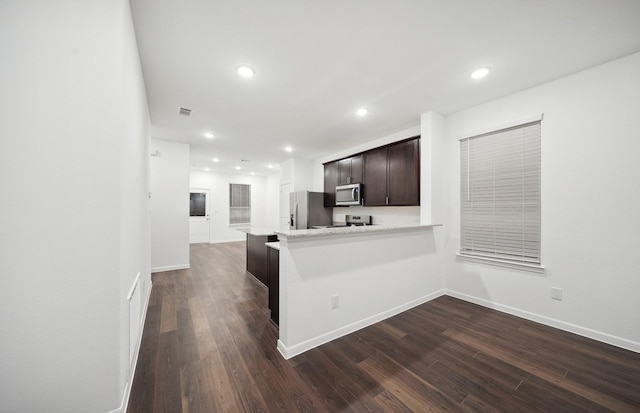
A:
404,173
392,174
350,170
374,189
331,175
340,172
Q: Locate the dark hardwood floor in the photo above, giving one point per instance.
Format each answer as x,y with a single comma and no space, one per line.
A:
208,346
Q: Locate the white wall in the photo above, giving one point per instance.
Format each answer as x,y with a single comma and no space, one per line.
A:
272,201
402,269
169,205
432,168
73,179
135,259
218,185
299,173
590,204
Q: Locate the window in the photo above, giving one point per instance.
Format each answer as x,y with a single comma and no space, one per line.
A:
500,194
197,204
239,204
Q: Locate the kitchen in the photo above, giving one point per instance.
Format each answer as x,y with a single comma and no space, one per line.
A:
324,264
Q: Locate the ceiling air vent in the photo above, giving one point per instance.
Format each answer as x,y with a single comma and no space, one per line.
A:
184,112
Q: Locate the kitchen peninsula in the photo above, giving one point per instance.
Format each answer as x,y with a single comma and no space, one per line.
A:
257,251
334,281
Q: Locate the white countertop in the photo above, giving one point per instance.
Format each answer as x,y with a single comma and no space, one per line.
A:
257,231
309,233
275,245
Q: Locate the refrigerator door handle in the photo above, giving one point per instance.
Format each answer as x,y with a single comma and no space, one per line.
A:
293,221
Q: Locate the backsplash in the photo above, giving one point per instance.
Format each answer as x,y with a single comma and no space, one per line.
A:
381,215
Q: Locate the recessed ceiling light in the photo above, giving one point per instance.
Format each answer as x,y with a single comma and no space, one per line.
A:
253,173
288,149
216,160
238,168
270,166
362,112
480,72
246,71
206,169
208,135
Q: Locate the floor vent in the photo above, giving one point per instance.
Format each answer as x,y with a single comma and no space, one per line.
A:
184,112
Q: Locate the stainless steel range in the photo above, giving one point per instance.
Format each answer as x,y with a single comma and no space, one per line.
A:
357,220
350,221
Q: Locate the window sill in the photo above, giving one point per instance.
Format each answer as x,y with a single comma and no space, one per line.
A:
537,268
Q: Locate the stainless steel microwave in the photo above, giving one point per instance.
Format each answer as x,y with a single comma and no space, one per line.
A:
349,194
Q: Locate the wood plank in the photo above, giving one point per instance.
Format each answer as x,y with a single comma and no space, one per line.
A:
415,394
209,346
168,319
534,371
168,374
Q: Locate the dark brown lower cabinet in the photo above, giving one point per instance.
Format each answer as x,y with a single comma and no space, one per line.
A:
273,259
257,256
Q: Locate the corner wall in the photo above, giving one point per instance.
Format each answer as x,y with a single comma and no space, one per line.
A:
169,205
590,204
74,227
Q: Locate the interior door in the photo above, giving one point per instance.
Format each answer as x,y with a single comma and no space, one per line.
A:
198,216
285,190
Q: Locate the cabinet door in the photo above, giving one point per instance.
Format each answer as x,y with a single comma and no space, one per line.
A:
331,171
356,169
404,173
274,284
375,177
257,256
344,171
350,170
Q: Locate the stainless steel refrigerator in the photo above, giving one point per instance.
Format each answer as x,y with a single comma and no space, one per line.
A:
306,210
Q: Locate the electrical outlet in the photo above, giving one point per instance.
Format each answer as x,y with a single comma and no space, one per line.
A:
335,301
556,293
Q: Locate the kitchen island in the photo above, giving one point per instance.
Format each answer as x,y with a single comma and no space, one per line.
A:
257,263
334,281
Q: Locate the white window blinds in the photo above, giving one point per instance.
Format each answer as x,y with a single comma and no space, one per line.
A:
500,194
239,204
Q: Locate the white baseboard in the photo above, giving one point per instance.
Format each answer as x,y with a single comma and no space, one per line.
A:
127,388
288,352
171,268
551,322
224,241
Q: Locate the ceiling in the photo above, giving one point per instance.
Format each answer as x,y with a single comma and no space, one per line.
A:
317,61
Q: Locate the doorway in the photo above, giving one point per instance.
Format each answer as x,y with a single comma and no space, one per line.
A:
198,216
285,191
